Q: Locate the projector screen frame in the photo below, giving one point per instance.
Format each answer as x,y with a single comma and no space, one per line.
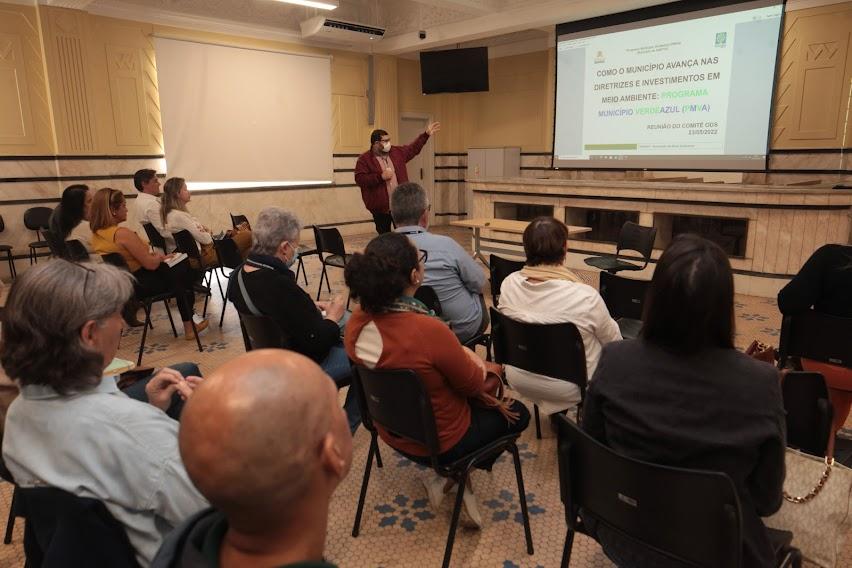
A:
676,8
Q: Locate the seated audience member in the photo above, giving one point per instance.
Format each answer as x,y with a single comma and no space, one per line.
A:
175,218
270,507
147,205
266,285
683,396
72,428
70,219
547,292
153,276
825,284
393,330
451,271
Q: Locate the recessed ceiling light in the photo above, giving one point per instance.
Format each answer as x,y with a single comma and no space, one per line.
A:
321,4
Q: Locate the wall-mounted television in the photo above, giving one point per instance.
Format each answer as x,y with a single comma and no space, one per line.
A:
454,70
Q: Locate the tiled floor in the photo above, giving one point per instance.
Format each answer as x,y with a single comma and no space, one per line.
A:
399,528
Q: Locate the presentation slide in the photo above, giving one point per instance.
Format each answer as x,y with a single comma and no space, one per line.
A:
685,91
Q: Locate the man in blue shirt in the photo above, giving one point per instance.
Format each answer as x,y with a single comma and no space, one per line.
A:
453,274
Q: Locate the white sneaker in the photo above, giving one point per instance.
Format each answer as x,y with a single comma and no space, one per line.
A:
471,517
434,485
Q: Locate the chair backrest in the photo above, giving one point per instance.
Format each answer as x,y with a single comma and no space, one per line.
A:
263,333
429,297
637,238
37,218
154,236
56,246
500,268
228,253
691,515
624,297
63,529
816,336
2,224
116,259
396,400
809,412
75,251
237,220
555,350
185,243
329,241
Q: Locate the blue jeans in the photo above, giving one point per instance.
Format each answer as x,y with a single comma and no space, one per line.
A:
136,391
337,366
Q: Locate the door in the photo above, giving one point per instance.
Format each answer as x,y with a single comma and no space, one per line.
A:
421,168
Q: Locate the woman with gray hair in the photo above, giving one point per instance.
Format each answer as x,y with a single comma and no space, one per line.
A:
266,285
72,428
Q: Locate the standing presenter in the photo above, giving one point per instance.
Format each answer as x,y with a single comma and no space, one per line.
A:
381,168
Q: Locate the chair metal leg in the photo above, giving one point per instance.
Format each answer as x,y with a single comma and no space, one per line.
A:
208,294
522,496
197,339
451,538
171,319
224,306
10,258
147,308
378,457
10,522
566,551
327,280
219,282
322,275
304,272
374,446
537,422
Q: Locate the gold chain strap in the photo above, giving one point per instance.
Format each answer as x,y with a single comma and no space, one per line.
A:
829,462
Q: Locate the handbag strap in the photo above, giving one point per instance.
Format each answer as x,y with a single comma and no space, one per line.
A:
249,304
829,463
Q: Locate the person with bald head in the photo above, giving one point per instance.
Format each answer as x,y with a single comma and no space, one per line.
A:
269,473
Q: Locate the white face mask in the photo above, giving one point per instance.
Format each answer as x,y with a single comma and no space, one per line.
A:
386,146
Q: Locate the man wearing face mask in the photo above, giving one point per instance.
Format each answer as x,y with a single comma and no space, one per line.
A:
266,285
381,168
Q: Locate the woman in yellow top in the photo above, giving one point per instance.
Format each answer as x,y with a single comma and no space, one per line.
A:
176,218
153,276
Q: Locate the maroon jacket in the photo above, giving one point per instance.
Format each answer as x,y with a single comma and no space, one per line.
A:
368,173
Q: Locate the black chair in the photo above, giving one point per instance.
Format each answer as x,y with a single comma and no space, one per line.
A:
398,402
185,243
154,237
305,251
116,259
625,300
63,529
554,350
429,297
689,516
809,412
8,250
14,506
261,332
37,219
500,268
331,252
57,248
817,336
631,237
237,220
75,251
230,258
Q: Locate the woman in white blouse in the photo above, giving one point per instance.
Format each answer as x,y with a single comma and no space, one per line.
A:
176,218
546,292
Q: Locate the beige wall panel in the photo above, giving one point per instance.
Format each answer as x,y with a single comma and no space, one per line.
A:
813,84
70,80
349,121
797,237
25,120
349,76
387,97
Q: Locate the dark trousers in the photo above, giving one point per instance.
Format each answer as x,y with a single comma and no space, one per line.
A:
486,426
383,222
177,279
136,391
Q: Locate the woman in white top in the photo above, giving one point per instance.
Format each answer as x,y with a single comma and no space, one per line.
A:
176,218
546,292
70,220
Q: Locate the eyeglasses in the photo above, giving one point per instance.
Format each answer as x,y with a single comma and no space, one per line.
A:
89,272
423,256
